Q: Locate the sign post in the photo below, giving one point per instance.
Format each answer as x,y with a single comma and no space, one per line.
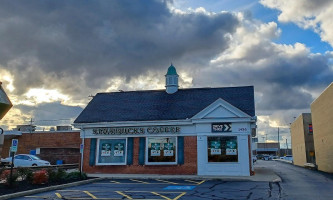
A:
13,150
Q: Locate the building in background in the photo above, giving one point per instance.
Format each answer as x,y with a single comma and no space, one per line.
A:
322,122
270,148
53,146
302,140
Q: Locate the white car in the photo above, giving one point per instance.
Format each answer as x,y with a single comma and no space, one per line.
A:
27,160
288,157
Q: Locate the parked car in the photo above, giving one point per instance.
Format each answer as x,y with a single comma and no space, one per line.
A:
4,163
25,160
260,156
288,157
267,157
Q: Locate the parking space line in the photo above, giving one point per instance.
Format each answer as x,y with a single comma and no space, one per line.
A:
182,194
139,181
161,195
166,181
198,183
88,193
124,195
58,195
115,182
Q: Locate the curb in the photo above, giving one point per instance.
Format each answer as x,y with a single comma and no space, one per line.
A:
46,189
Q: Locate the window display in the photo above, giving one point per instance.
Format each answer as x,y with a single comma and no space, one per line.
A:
111,152
222,149
161,150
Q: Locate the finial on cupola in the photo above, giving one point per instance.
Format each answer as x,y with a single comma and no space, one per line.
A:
171,80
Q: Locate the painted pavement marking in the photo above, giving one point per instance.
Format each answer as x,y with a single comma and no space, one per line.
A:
198,183
161,195
119,192
88,193
115,182
58,195
179,187
139,181
164,181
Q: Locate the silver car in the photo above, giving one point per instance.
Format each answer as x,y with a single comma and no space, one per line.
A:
25,160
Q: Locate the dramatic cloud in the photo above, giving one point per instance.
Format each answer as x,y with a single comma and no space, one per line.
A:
54,54
81,46
316,15
287,78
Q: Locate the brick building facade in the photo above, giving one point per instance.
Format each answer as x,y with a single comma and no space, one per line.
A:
52,145
189,167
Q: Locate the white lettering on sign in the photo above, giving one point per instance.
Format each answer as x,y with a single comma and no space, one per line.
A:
136,130
231,151
221,127
215,151
118,153
242,129
168,152
155,152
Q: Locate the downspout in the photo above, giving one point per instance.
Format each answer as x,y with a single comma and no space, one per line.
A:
84,136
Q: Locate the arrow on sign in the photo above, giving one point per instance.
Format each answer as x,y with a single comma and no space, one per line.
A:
221,127
229,128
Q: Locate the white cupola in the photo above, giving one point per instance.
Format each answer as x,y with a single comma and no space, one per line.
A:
171,80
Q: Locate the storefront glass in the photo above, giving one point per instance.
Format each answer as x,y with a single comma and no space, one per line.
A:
161,150
111,152
222,149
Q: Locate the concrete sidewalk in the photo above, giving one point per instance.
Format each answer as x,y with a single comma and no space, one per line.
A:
261,174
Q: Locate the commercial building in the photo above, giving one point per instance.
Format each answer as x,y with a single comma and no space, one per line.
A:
302,140
270,148
322,122
53,146
204,131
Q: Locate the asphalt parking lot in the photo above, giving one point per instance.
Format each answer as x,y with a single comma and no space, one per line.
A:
158,189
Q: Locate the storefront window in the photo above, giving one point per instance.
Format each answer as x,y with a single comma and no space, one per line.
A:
161,150
111,152
222,149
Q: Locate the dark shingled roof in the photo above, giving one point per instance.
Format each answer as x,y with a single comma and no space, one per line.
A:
158,105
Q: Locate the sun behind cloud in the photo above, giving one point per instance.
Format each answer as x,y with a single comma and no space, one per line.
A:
41,95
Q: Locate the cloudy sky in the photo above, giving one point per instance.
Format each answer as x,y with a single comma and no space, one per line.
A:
55,54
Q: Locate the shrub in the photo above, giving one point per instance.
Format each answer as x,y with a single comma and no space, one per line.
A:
40,177
52,175
10,180
76,176
5,174
25,173
61,174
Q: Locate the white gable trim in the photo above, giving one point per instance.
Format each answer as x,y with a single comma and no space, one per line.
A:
220,103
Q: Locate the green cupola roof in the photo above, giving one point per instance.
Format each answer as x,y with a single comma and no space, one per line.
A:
172,70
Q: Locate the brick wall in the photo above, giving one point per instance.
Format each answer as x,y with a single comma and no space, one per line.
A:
189,166
47,140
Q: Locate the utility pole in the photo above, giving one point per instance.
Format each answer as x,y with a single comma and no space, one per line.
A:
279,141
263,138
287,145
30,128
